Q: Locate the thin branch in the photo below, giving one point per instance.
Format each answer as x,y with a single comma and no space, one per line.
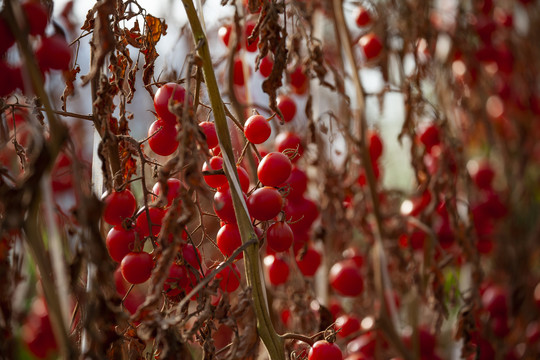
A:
57,112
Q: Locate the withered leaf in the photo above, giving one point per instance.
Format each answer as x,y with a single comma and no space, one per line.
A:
103,41
69,78
154,29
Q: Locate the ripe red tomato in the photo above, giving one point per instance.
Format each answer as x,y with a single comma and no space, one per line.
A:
163,138
156,218
230,277
36,17
483,178
426,342
366,344
279,236
119,205
228,239
375,146
361,16
209,130
53,53
323,350
430,137
6,37
299,80
223,205
278,269
37,332
265,66
251,47
191,256
9,82
174,187
243,178
297,183
265,203
274,169
137,267
495,301
287,106
120,242
347,325
214,181
371,45
290,144
309,261
303,212
345,278
354,254
176,281
224,34
169,93
257,129
238,72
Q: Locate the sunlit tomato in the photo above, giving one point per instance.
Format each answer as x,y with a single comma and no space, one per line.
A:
162,139
257,129
361,16
371,45
209,130
119,205
265,203
217,180
274,169
278,269
120,242
308,261
345,278
324,350
228,239
279,236
287,106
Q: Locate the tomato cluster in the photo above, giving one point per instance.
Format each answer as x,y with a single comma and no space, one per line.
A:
360,259
50,51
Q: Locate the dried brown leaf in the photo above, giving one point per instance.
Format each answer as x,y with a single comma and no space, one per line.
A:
69,78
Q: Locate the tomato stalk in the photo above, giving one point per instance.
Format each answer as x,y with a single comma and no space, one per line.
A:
49,271
382,279
273,343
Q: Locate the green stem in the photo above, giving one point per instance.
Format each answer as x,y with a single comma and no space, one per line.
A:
274,344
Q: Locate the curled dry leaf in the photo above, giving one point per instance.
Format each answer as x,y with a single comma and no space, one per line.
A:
155,28
69,79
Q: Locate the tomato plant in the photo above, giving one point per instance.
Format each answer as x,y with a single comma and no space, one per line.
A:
269,179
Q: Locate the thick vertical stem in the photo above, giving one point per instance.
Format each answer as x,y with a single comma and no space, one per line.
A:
49,152
273,343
